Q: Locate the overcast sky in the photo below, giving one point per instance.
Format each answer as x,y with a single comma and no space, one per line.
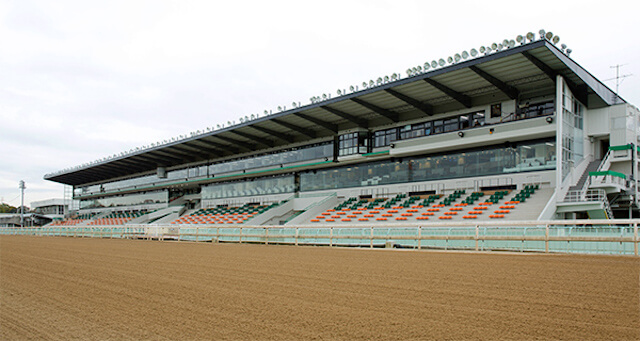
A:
81,80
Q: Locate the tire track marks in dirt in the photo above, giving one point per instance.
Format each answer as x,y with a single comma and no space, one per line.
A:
66,288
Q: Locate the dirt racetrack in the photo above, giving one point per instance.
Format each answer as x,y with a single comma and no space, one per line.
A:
92,289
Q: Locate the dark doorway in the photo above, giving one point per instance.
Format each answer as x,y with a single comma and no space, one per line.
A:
604,148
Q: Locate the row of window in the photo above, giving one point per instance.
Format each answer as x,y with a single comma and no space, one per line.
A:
385,137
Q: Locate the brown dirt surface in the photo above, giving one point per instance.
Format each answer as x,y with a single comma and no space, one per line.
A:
97,289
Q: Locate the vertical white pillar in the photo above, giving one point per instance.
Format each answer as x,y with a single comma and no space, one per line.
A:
559,117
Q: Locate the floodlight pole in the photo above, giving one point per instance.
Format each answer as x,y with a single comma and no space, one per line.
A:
22,187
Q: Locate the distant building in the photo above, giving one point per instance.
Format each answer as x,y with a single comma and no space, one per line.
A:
30,219
51,208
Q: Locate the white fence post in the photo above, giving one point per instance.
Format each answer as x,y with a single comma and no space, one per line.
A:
546,238
331,236
635,237
371,238
477,237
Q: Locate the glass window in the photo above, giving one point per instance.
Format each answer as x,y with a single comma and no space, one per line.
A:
478,119
451,124
428,128
438,126
353,143
404,132
539,109
383,138
496,110
465,121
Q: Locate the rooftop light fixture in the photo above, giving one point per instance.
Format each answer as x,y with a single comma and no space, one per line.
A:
465,54
474,52
530,36
542,33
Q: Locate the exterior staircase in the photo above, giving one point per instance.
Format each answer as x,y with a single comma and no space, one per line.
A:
581,198
591,167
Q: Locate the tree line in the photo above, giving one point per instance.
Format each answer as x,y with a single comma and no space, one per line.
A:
6,208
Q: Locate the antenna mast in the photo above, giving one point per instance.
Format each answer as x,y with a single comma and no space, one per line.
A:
619,79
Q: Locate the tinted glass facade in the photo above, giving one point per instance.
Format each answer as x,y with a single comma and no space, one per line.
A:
259,186
157,197
306,153
527,156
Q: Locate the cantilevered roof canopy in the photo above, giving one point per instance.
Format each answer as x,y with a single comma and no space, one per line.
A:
504,74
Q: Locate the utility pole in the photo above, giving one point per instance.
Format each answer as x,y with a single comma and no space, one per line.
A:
22,187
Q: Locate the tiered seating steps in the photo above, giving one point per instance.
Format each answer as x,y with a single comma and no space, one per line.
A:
224,215
401,208
119,218
72,221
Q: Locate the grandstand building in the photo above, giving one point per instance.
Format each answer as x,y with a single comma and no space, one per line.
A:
515,131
